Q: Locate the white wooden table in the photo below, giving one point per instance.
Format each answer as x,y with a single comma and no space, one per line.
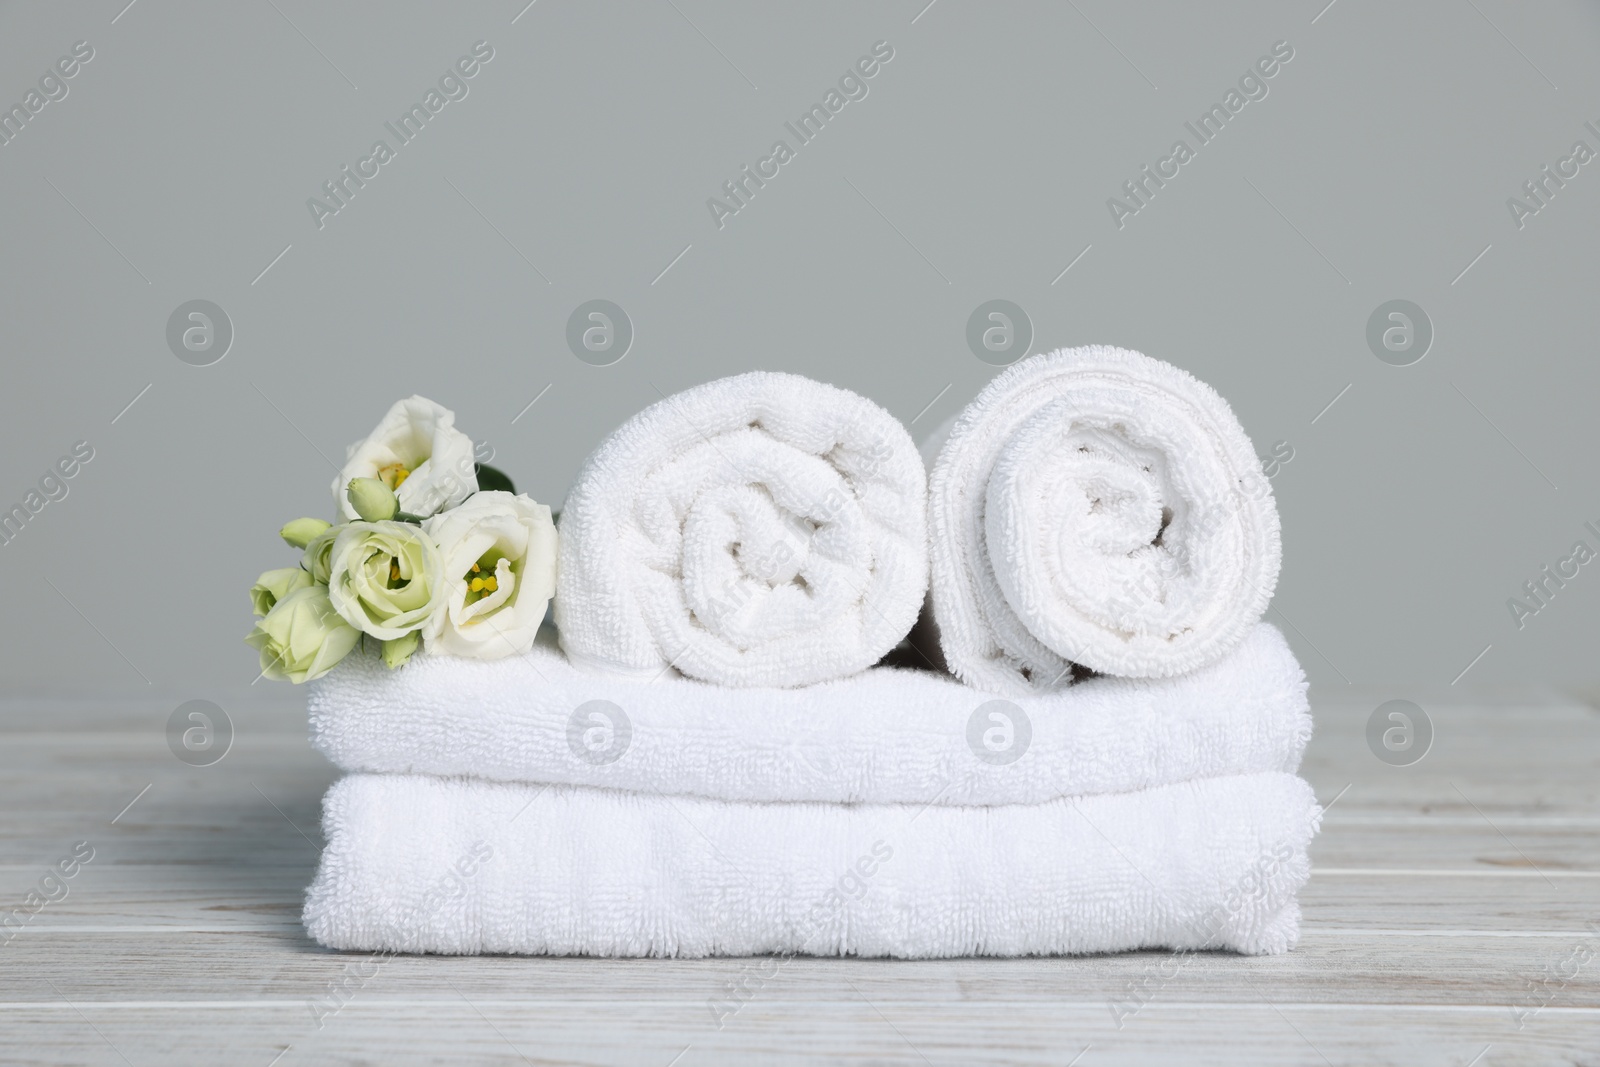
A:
1451,901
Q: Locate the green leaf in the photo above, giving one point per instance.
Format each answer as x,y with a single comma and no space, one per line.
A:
491,479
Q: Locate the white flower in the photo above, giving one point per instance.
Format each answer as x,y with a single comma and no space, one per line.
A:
417,452
499,570
385,578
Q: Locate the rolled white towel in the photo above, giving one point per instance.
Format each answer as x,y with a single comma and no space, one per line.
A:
760,530
1095,506
419,864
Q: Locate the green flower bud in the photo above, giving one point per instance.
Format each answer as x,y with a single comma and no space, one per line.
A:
371,499
300,532
398,651
274,585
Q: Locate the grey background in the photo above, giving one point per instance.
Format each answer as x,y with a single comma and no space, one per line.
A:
978,167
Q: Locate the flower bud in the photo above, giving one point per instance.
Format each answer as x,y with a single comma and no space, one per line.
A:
300,532
371,499
398,651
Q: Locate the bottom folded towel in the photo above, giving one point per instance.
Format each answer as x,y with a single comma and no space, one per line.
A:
421,864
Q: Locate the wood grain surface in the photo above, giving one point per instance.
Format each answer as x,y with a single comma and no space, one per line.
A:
1453,917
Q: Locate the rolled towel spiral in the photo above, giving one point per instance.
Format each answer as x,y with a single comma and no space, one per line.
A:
759,530
1095,507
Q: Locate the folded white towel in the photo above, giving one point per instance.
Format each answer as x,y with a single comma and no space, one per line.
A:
421,864
883,736
760,530
1094,506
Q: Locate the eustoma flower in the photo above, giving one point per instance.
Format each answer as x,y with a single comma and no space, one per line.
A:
302,637
384,578
377,572
318,550
418,453
499,558
276,585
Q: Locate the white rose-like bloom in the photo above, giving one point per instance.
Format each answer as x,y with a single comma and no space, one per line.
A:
500,572
416,451
385,578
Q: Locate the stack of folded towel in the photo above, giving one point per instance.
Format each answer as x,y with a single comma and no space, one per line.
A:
707,761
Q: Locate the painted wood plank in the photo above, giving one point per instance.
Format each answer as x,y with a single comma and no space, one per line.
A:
854,1029
1444,896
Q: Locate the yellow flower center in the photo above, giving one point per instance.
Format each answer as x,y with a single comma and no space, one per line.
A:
394,475
480,585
